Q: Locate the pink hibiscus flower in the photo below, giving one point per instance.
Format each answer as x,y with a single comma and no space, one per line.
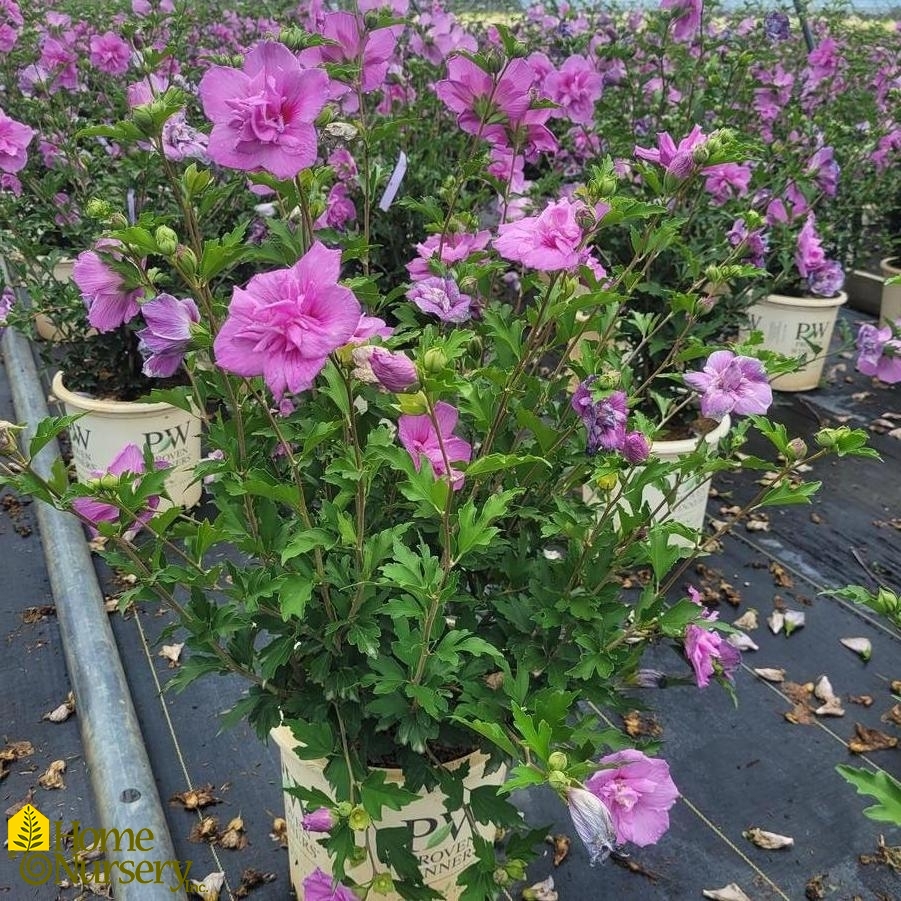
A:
284,324
110,301
440,446
14,140
547,242
638,791
263,114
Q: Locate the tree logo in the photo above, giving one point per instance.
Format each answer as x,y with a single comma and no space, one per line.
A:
28,830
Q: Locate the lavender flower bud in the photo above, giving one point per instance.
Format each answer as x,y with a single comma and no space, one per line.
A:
395,371
321,820
636,447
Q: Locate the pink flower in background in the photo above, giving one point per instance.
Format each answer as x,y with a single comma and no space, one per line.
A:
604,418
263,114
453,247
438,34
110,54
370,327
394,371
879,352
888,149
638,792
319,886
129,461
824,168
109,300
755,241
592,822
441,447
547,242
576,87
14,140
343,163
7,302
320,820
809,255
339,208
677,159
373,49
727,180
686,17
731,384
827,280
284,324
468,89
167,336
441,297
708,651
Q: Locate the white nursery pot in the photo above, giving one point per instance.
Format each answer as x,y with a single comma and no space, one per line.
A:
98,436
890,309
46,328
440,864
789,326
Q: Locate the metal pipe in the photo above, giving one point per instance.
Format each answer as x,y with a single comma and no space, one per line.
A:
801,10
122,780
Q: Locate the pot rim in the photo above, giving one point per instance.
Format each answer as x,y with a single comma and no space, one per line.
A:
784,300
891,265
689,445
106,406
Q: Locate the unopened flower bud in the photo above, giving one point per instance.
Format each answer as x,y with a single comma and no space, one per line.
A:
558,780
541,891
797,449
321,820
99,209
592,822
108,480
344,809
383,884
607,481
636,447
143,118
357,856
557,761
516,869
186,259
500,877
607,380
494,60
701,154
359,819
394,371
413,404
166,240
434,361
118,220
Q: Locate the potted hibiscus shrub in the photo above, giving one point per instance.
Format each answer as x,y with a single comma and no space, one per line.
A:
398,552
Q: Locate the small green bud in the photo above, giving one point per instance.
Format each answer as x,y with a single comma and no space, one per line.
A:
558,761
501,877
413,404
357,856
494,60
607,380
516,870
434,361
118,220
607,481
166,240
344,809
558,780
702,153
100,209
196,180
9,443
383,884
108,480
359,819
797,449
186,259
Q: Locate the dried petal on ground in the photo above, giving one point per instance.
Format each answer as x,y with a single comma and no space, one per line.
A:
776,621
210,887
13,809
769,841
233,838
730,892
742,641
633,866
207,830
251,879
747,621
893,715
870,740
794,620
280,831
63,712
196,798
31,615
541,891
641,725
560,843
896,686
53,776
781,576
832,707
770,674
172,652
815,890
16,750
815,518
861,646
800,715
863,700
823,689
885,854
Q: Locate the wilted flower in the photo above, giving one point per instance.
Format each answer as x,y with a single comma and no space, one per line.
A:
321,820
731,384
7,302
636,447
592,822
637,790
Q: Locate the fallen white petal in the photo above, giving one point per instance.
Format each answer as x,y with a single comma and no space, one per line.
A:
210,887
747,620
861,646
730,892
823,690
832,707
776,621
794,619
770,841
741,641
770,674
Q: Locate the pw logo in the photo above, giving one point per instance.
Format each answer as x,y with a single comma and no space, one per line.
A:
28,830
